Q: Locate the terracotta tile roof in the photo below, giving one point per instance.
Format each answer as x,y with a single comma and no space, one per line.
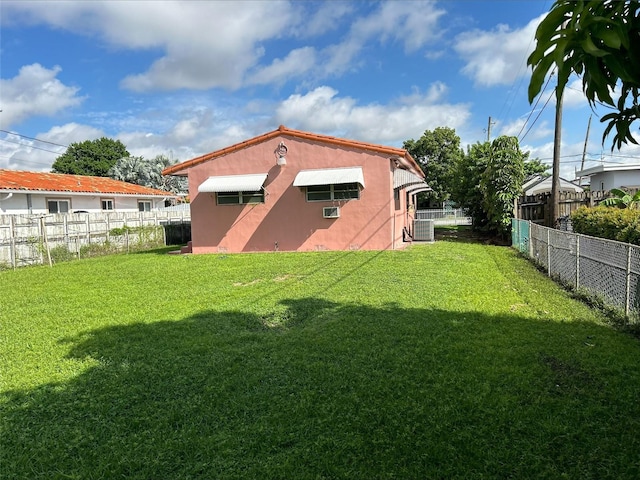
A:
287,132
58,182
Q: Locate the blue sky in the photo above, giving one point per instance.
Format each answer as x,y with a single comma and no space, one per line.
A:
186,78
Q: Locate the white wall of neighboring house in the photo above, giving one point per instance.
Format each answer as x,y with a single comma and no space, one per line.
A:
20,203
604,181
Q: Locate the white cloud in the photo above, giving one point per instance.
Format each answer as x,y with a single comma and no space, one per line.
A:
71,133
35,91
410,23
326,18
222,43
413,24
206,44
21,153
517,128
573,97
322,110
496,57
297,63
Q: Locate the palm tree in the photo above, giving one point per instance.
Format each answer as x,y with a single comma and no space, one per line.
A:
622,199
148,172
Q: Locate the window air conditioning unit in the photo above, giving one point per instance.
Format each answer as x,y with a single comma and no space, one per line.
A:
331,212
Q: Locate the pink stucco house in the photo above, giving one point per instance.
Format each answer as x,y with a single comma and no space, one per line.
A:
291,190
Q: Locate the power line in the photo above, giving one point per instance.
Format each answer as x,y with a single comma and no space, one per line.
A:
32,138
537,116
544,89
29,146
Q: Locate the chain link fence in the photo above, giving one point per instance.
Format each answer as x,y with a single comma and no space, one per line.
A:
604,269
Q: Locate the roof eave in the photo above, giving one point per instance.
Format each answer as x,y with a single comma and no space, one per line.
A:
89,194
284,131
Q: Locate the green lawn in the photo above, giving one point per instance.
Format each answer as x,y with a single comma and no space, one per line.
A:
450,360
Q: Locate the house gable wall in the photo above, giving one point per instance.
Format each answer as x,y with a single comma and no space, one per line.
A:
286,221
605,181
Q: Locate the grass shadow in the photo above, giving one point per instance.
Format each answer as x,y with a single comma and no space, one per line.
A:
331,390
467,234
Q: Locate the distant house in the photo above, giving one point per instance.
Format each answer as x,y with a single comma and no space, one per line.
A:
605,177
23,192
299,191
537,184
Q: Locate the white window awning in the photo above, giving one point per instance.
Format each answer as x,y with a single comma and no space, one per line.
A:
411,182
414,189
233,183
329,176
402,178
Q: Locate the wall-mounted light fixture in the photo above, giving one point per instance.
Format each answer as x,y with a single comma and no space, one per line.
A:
281,154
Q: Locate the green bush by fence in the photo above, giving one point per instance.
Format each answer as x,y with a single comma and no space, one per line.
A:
618,224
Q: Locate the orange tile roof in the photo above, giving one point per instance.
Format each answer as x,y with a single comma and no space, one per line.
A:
58,182
284,131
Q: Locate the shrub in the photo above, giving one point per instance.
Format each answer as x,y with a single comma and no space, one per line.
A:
61,253
97,249
116,232
604,222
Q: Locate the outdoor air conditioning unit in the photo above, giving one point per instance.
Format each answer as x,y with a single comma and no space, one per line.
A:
331,212
423,230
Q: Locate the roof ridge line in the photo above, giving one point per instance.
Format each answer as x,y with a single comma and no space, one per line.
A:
282,130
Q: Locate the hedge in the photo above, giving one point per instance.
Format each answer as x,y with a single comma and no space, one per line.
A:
612,223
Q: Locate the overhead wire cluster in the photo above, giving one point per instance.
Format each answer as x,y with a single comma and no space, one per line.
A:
36,147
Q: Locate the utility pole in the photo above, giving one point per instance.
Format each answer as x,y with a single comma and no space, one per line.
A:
555,185
489,129
584,151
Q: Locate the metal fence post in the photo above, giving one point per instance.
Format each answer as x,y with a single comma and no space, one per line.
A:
549,251
628,294
577,261
12,245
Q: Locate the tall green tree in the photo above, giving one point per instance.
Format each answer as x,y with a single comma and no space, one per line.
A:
600,41
535,167
489,179
91,157
148,172
501,182
467,191
437,152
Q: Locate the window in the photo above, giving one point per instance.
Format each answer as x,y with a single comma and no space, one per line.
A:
107,204
240,198
144,205
58,205
341,191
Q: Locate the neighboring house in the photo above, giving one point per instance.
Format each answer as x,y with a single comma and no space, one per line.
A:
538,184
40,193
298,191
605,177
